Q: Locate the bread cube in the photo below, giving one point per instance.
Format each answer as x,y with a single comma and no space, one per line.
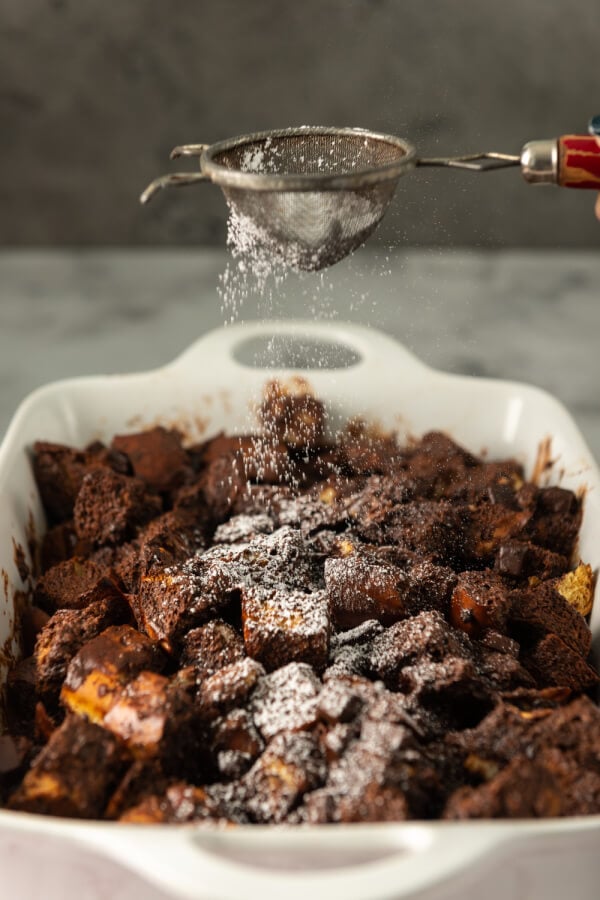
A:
103,665
74,774
109,508
285,625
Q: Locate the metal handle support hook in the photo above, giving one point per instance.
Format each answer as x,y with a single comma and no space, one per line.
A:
177,179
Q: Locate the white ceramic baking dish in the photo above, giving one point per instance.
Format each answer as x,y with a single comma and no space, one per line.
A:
207,389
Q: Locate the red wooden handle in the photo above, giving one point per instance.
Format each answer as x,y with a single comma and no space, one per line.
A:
579,161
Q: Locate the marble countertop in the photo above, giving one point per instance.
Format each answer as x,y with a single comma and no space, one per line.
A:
528,316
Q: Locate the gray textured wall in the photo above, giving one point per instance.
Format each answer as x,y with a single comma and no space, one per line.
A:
93,95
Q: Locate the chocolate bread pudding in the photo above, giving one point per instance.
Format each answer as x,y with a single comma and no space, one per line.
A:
279,628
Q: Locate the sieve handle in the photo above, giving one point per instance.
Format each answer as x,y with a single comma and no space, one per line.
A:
176,179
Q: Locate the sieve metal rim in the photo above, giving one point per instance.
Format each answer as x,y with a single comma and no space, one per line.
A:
252,181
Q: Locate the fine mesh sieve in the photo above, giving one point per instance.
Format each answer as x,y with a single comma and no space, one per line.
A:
312,195
309,195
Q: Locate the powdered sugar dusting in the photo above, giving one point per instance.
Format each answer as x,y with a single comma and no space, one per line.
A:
286,700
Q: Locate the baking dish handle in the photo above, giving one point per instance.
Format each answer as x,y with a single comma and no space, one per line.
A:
317,348
329,863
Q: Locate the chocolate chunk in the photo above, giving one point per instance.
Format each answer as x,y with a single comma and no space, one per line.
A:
521,559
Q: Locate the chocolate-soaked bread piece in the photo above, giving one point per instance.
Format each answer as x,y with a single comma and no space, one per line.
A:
366,451
441,672
59,543
489,526
65,633
155,718
368,504
21,696
557,519
527,721
74,584
436,462
156,456
552,662
220,485
142,779
15,757
103,665
292,765
74,774
524,789
433,529
211,647
171,538
235,743
480,601
110,507
59,472
283,625
243,528
496,482
183,596
380,777
286,700
291,414
31,620
543,609
361,587
230,687
350,651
